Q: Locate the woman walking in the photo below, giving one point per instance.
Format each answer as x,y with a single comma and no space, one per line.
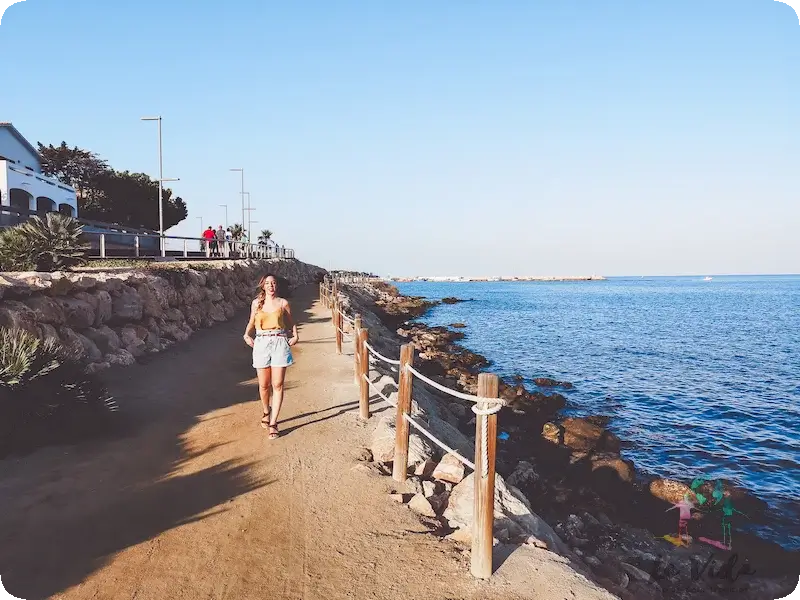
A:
271,318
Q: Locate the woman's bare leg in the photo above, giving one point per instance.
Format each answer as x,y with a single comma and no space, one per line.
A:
278,374
265,391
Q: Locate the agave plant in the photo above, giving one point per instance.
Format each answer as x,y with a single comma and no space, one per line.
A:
39,378
55,241
15,251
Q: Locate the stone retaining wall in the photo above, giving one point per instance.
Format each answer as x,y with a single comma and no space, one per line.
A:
112,317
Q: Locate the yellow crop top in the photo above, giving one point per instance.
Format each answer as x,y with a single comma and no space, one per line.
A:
270,320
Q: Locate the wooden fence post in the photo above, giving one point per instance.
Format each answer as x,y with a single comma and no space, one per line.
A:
357,348
405,379
338,321
363,375
484,480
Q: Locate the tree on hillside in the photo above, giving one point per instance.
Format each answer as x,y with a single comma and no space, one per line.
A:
108,195
132,199
79,168
265,236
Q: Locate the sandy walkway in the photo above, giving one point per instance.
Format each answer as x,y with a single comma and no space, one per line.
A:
194,502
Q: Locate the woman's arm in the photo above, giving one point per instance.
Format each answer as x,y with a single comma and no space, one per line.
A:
251,324
290,322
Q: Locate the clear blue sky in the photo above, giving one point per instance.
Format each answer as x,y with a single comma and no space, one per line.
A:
437,138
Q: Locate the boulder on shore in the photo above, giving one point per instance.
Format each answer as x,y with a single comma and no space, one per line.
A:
547,382
512,512
449,469
586,434
383,442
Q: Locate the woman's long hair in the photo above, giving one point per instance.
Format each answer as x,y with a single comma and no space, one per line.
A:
280,287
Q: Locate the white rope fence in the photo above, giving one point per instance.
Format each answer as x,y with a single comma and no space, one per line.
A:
376,354
482,409
439,443
486,405
377,391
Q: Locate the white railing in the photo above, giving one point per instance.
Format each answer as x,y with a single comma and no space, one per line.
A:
106,240
211,248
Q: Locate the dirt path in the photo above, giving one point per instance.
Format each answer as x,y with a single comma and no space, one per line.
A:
194,502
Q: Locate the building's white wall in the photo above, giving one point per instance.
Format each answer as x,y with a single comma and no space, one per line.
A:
3,183
10,147
36,185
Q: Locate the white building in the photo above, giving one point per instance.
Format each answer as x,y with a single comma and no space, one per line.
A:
23,187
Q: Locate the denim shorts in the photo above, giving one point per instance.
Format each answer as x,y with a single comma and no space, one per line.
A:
271,351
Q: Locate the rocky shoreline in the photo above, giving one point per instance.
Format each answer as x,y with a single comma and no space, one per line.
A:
605,517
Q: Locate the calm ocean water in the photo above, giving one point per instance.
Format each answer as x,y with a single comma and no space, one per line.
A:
702,378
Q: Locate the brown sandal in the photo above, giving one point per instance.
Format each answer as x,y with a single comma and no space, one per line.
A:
274,434
265,421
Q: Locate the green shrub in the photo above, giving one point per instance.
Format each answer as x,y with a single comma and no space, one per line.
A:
49,244
41,384
15,251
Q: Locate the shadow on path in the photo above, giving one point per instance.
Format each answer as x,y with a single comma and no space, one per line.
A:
66,511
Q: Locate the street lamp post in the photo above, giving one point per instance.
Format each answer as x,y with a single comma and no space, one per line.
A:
249,215
242,192
161,181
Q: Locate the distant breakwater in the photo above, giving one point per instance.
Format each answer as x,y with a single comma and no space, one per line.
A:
456,279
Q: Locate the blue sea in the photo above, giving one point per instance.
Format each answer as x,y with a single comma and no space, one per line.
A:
701,378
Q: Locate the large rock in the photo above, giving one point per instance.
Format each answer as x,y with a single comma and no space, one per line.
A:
173,314
104,308
174,331
46,310
611,468
214,295
105,338
217,313
383,440
16,315
670,490
127,305
194,315
80,346
133,338
78,314
512,512
47,331
586,434
192,294
121,358
524,475
420,505
553,433
153,303
449,469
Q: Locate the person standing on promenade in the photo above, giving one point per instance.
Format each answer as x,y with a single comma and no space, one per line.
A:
271,318
209,236
220,235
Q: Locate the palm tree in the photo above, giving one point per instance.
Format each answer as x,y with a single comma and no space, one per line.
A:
265,236
237,231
